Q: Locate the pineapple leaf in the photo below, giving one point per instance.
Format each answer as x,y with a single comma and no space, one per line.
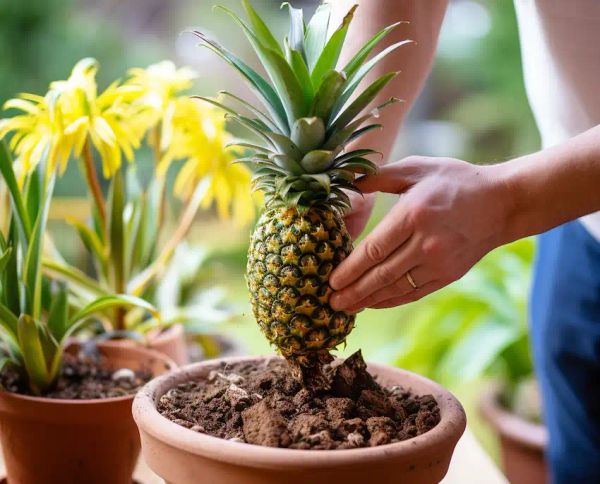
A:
361,102
251,146
330,55
301,71
328,93
245,122
355,153
281,74
364,52
264,90
360,165
321,178
359,132
354,80
257,123
257,112
284,145
316,34
297,28
261,31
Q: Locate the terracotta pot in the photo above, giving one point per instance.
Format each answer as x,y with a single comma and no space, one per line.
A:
181,456
74,441
522,443
168,341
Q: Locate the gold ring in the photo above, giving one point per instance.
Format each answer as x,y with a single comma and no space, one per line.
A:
410,280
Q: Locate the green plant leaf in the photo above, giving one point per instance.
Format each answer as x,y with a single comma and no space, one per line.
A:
11,285
92,243
331,53
9,322
296,33
360,57
361,102
32,272
5,258
260,29
301,71
76,279
21,214
316,34
258,84
284,80
257,112
59,311
104,303
341,137
116,231
328,93
34,358
354,81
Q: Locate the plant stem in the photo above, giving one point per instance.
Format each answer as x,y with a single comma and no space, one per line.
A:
162,203
93,183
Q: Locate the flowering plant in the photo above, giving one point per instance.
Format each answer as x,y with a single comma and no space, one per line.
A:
126,235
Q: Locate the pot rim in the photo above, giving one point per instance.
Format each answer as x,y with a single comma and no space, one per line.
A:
509,424
148,419
141,351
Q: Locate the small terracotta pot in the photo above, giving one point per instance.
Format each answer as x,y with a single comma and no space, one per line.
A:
181,456
52,441
168,341
522,443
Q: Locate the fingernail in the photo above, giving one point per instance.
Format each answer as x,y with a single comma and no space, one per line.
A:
333,283
337,302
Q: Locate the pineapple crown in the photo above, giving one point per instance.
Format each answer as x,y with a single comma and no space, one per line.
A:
312,109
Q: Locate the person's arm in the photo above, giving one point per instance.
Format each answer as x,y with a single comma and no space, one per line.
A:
451,213
424,19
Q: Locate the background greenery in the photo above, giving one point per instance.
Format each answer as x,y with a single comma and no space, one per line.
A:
474,107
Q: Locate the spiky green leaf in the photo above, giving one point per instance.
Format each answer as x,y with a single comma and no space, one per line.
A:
316,34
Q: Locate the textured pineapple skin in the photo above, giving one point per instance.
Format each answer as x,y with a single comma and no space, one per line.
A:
290,258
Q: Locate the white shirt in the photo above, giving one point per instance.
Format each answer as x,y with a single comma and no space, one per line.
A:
560,47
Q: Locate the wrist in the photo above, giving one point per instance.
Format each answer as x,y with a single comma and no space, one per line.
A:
517,199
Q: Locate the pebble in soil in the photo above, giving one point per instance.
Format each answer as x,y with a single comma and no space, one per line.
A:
83,378
265,405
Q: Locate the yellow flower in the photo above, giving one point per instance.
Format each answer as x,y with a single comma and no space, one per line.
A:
112,121
162,83
37,133
197,135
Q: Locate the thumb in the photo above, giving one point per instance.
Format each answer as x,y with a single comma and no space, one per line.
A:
392,178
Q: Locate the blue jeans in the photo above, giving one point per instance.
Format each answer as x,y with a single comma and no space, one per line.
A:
565,329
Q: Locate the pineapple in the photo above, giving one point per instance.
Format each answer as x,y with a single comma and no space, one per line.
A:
312,111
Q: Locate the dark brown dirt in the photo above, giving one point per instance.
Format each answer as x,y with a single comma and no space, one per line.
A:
267,406
82,378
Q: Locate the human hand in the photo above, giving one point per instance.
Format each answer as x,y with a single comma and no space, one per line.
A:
450,214
357,218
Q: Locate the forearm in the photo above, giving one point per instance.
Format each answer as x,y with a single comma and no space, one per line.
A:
553,186
414,60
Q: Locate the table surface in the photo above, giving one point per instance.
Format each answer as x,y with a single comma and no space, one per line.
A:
469,463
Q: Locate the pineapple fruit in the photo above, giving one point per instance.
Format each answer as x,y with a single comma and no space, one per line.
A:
312,111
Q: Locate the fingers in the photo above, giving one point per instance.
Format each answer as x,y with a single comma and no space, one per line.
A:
357,219
393,178
412,296
399,288
393,231
385,274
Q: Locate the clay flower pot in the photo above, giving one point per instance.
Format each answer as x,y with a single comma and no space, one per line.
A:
168,341
522,443
181,456
51,441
